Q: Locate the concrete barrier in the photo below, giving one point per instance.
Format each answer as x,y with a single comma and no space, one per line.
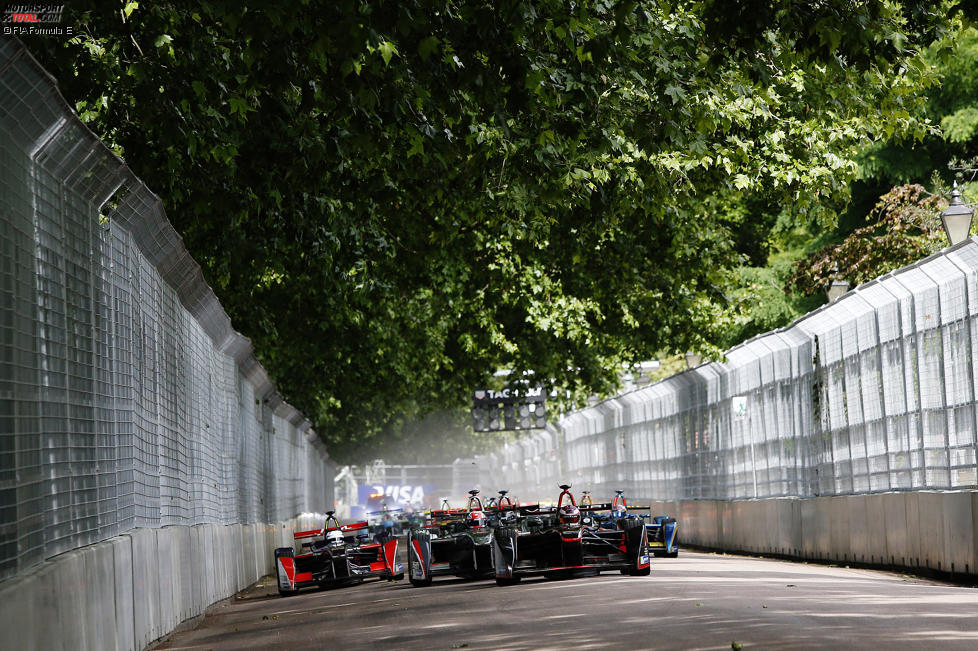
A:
897,534
123,592
787,540
164,580
930,529
185,606
808,525
725,526
98,608
974,519
876,538
958,532
835,516
199,563
147,623
20,617
133,589
71,612
858,545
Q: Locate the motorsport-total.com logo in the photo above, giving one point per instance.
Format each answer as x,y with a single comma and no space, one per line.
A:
34,19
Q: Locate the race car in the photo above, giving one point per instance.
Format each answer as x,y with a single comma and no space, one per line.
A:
497,509
661,530
566,541
387,521
453,542
610,516
335,555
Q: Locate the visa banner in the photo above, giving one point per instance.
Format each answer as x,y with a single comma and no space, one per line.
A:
394,495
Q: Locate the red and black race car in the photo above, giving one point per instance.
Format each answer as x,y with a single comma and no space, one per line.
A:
335,555
567,541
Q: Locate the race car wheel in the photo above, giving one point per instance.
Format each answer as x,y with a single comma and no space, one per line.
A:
635,539
423,537
505,539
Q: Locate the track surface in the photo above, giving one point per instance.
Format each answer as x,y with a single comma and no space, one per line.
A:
697,601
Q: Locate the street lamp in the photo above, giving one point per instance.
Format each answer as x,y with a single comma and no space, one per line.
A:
957,218
693,359
836,289
837,286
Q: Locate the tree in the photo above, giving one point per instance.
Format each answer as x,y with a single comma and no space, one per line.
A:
907,227
395,199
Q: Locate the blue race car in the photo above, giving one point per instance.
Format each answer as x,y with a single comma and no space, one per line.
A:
661,529
662,536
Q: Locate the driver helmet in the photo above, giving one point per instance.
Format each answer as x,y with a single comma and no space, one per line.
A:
477,519
619,512
569,514
335,537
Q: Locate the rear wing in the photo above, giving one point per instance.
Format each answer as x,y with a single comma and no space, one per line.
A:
313,533
448,513
607,506
536,509
495,508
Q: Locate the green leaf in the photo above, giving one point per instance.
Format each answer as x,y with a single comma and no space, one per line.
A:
387,50
675,92
427,46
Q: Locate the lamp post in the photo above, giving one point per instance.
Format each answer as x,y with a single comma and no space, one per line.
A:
837,286
956,218
836,289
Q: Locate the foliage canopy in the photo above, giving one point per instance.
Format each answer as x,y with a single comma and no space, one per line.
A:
395,199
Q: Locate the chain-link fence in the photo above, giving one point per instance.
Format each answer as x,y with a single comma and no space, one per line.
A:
874,392
126,398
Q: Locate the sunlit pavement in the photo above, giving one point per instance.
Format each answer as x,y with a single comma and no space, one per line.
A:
696,601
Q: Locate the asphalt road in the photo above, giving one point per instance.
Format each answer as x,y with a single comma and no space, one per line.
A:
696,601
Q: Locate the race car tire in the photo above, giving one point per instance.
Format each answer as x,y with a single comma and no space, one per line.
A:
508,536
631,539
417,583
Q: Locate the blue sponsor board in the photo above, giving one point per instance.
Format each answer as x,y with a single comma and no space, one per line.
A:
394,496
